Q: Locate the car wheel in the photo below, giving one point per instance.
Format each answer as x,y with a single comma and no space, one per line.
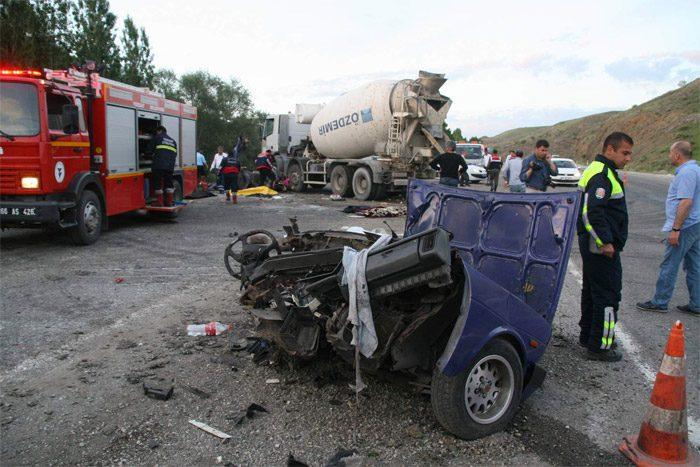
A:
296,178
482,399
362,184
341,180
88,216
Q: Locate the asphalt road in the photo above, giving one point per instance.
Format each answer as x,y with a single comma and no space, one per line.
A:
67,323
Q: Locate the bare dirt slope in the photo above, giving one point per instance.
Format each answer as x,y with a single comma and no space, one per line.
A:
653,125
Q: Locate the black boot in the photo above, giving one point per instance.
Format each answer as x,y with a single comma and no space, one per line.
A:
604,355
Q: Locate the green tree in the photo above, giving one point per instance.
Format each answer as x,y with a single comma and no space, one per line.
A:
447,130
457,135
225,111
166,82
92,36
34,34
137,60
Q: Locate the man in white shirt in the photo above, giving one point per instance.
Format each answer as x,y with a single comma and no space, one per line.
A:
216,164
511,173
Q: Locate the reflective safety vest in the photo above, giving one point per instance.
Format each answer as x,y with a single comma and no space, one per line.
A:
611,199
595,168
165,152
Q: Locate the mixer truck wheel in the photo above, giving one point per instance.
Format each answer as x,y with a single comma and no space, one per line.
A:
379,191
362,184
296,178
341,180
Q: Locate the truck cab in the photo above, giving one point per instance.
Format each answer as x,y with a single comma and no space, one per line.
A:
44,139
281,132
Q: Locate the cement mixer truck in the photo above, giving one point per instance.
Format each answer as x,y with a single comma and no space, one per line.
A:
367,142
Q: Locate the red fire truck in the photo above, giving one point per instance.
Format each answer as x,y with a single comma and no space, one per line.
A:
75,149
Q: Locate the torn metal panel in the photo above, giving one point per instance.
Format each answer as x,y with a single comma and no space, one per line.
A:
475,272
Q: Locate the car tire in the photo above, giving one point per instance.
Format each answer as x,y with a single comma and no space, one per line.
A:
362,184
483,398
341,180
296,178
88,215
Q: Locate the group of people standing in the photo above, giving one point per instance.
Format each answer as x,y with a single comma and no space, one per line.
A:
532,174
226,166
602,228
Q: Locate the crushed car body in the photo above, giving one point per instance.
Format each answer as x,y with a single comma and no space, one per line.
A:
463,302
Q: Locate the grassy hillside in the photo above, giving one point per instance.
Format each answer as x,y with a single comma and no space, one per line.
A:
653,125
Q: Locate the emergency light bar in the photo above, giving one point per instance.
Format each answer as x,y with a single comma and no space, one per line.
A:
29,73
73,77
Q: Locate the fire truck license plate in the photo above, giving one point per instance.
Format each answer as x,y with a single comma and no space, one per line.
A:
19,212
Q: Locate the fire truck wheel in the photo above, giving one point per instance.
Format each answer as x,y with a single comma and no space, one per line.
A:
89,218
482,399
178,190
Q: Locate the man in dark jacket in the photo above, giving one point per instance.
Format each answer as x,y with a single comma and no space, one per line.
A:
448,163
538,168
230,168
164,155
264,167
602,233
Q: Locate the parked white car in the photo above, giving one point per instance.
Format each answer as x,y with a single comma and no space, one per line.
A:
569,173
476,173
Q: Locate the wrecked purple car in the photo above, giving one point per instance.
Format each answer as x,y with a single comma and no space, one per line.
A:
463,303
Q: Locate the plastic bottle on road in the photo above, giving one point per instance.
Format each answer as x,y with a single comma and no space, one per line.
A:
210,329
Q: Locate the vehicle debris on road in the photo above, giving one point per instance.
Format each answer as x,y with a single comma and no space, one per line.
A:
158,392
211,430
376,211
454,304
249,413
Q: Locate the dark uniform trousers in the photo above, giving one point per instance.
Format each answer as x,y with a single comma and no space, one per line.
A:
600,297
163,176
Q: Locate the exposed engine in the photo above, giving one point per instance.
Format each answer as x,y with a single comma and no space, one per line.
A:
295,286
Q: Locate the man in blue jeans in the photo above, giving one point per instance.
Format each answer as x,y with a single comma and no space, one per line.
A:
683,227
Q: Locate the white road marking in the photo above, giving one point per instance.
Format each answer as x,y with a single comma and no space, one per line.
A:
632,351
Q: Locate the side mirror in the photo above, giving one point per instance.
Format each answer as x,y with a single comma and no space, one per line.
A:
71,119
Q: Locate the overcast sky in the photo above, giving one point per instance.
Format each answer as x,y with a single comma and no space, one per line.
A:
508,63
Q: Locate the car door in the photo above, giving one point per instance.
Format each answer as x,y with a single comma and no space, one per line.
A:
519,241
68,152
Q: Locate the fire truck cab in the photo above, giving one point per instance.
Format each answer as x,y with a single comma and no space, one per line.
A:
75,149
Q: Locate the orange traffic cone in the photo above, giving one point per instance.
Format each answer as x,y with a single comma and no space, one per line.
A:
663,437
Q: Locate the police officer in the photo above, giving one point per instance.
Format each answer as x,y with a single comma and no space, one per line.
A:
165,153
602,233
